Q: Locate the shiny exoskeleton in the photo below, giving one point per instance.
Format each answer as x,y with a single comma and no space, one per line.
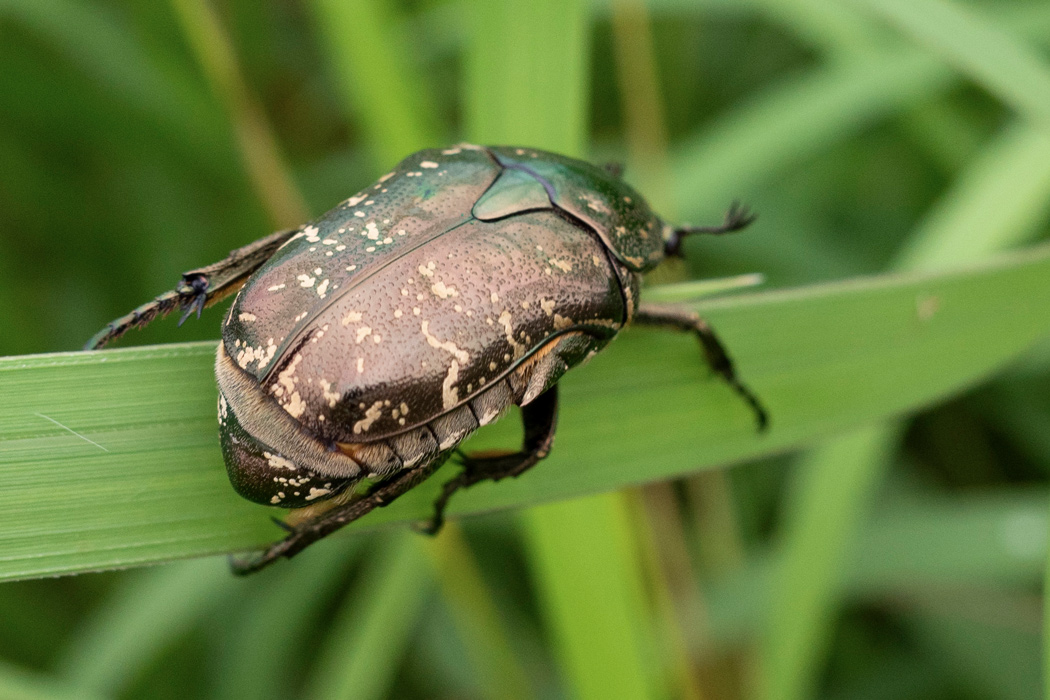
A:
364,347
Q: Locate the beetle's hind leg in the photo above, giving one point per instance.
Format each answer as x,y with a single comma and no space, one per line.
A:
540,418
304,534
198,288
714,352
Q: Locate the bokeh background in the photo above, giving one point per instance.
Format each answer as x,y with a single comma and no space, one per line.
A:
141,139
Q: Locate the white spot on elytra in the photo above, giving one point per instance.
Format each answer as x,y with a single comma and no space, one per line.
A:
595,203
286,378
262,355
371,416
247,317
448,346
330,396
351,317
322,288
442,291
449,393
306,280
362,333
295,405
505,321
428,164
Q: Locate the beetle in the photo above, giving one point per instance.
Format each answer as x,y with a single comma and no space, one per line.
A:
363,348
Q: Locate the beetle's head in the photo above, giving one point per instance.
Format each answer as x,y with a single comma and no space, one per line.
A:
596,196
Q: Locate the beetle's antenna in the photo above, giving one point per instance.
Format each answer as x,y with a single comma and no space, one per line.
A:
737,218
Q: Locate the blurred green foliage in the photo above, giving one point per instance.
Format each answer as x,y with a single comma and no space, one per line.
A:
138,140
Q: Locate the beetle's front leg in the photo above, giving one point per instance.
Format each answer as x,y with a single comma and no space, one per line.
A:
540,418
198,288
715,353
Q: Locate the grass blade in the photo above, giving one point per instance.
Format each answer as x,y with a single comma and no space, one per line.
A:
378,85
995,661
986,542
1002,63
809,114
257,661
596,624
153,610
855,352
372,630
828,503
498,671
969,222
21,684
518,93
93,39
998,202
257,143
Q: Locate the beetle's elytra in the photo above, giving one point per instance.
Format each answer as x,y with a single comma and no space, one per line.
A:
364,347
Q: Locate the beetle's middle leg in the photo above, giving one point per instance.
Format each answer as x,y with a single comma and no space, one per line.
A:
540,418
198,288
714,352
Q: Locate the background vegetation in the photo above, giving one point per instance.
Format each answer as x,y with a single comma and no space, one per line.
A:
892,560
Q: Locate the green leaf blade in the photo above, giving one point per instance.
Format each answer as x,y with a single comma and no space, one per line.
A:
824,358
